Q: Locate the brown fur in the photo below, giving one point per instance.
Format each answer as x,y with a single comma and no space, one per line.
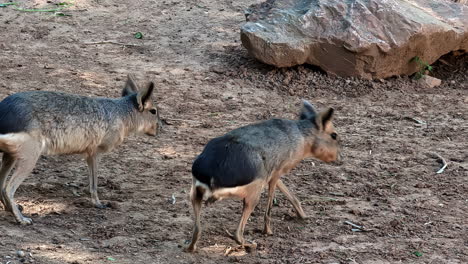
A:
282,144
58,123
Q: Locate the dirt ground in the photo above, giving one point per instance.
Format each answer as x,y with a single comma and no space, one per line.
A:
207,85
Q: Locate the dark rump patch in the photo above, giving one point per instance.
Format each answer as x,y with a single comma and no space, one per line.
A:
14,115
227,163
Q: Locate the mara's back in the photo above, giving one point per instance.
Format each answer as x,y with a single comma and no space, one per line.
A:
66,123
275,135
247,153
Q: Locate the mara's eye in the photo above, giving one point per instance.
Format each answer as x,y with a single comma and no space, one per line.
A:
334,135
153,111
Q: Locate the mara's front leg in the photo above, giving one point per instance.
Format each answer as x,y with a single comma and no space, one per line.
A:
292,198
92,161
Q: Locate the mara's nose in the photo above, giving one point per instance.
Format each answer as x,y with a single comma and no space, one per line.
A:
339,158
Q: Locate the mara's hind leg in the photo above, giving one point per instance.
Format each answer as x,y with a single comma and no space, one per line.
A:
196,196
28,155
292,198
250,202
8,162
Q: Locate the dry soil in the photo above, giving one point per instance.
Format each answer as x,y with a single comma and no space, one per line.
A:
207,85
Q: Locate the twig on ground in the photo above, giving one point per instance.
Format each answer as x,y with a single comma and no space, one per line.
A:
321,199
337,194
38,10
181,120
304,174
445,62
7,4
441,159
229,233
146,190
109,42
419,121
357,228
168,121
57,9
75,193
444,164
353,225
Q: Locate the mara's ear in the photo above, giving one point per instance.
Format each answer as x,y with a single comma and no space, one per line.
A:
130,86
307,111
325,118
144,97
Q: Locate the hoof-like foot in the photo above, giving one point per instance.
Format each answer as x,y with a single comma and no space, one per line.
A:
24,220
302,217
102,205
190,249
267,231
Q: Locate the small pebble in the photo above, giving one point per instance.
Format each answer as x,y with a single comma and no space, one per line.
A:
20,253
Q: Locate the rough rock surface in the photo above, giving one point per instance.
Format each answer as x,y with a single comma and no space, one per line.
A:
369,39
429,81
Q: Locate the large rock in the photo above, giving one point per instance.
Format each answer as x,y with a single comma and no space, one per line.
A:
365,38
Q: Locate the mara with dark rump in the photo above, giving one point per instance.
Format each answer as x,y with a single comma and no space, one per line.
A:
242,162
42,122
